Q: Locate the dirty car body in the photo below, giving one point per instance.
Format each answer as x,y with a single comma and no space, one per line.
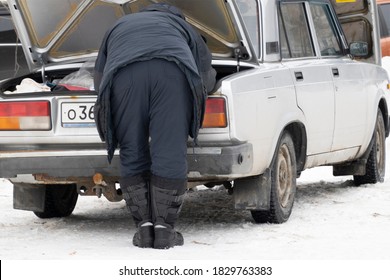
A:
290,96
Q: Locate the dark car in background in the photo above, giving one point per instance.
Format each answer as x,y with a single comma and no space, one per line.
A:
12,59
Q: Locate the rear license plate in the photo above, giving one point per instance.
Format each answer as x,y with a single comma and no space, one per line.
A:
77,114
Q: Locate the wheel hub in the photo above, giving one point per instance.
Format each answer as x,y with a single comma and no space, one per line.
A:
284,175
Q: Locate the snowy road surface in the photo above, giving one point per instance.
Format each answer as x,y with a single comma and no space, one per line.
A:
331,219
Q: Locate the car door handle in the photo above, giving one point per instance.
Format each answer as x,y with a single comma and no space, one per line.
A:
298,76
335,72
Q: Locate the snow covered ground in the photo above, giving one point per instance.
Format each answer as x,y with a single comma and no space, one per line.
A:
331,220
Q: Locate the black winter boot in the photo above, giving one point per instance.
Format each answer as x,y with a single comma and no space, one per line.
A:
144,237
135,190
167,200
167,237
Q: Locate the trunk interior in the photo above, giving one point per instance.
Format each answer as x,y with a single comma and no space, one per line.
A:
54,78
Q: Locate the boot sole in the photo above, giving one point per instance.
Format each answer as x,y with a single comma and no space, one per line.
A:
144,243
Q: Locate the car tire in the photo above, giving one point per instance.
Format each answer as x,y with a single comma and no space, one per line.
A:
60,201
376,162
283,184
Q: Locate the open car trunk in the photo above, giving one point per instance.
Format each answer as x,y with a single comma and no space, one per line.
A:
62,81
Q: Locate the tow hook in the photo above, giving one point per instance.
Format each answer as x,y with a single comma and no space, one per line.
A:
101,187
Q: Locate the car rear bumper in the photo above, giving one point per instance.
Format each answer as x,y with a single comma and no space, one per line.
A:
232,160
203,162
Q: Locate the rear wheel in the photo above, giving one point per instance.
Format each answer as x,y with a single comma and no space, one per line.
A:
60,201
283,184
376,163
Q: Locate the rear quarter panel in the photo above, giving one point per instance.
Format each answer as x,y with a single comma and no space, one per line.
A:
261,103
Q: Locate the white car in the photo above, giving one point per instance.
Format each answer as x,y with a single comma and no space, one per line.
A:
293,93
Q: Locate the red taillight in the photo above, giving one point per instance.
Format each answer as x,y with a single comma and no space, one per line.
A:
34,115
215,114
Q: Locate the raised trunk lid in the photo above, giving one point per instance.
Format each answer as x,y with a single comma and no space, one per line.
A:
59,31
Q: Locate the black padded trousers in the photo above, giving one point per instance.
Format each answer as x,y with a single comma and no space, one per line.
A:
152,106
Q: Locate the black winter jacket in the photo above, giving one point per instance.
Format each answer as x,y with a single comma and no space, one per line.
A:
159,31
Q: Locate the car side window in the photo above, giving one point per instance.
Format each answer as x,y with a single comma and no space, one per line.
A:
384,19
250,15
295,36
326,32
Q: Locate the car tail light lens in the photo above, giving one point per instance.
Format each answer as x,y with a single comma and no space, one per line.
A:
215,114
34,115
